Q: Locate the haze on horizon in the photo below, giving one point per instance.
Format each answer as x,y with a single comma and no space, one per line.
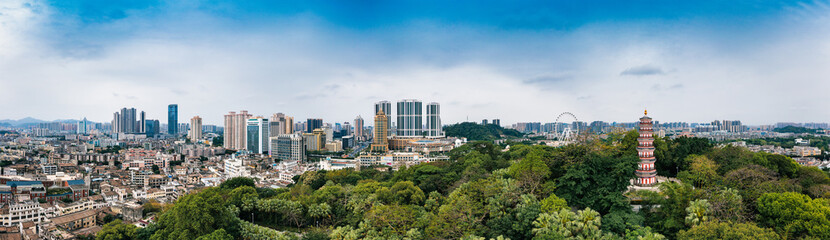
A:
757,61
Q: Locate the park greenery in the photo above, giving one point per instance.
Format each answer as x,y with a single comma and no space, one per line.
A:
477,132
578,191
794,129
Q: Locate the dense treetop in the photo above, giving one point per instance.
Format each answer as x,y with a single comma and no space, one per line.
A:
529,192
476,132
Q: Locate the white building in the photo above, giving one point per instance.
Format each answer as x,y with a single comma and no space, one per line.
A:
14,213
235,168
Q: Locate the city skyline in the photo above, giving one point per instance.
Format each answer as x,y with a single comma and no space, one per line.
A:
760,63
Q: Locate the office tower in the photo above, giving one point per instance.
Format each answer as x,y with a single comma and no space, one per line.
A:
484,122
274,128
195,129
646,173
312,124
235,130
152,127
172,119
82,126
433,120
386,106
329,133
380,144
288,147
497,122
410,118
358,128
315,141
347,128
258,135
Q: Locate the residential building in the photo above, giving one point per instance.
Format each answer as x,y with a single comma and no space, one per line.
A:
386,107
235,132
358,128
195,129
433,120
77,220
126,121
83,126
410,118
276,125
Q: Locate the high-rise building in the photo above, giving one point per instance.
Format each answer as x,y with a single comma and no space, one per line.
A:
172,119
142,122
315,141
358,128
83,126
258,135
386,106
410,118
289,125
152,126
195,129
288,147
433,120
380,143
312,124
277,123
235,130
125,121
496,122
484,122
347,128
646,173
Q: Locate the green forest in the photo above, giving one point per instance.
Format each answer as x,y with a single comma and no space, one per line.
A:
579,191
478,132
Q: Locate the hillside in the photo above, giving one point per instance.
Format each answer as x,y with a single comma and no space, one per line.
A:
475,132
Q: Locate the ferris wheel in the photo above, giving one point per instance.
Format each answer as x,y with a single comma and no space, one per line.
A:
570,130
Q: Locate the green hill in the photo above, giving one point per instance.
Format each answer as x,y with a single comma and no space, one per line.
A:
475,132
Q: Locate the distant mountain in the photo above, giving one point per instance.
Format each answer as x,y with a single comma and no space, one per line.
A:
28,121
22,121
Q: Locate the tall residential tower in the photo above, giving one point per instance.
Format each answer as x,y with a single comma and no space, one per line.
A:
410,118
195,129
235,130
433,120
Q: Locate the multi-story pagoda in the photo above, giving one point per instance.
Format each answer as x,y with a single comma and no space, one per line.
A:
646,173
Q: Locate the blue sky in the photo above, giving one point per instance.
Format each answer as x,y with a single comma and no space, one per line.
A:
756,61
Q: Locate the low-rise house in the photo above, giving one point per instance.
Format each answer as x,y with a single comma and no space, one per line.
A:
78,220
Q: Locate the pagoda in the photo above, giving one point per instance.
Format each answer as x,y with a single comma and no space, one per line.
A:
646,173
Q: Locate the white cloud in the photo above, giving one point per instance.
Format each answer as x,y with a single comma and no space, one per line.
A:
306,67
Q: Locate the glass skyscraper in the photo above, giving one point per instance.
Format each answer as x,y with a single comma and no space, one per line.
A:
258,134
172,119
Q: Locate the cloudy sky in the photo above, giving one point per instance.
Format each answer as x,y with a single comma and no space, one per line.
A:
756,60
